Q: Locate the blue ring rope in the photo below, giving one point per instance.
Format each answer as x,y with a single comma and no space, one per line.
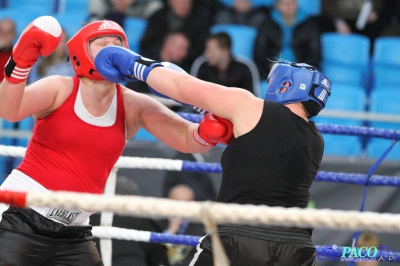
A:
331,129
323,252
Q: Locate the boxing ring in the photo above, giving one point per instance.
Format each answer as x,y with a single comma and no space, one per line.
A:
212,213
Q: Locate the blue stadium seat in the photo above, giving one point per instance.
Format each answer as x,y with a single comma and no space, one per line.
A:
262,3
386,51
243,38
72,23
134,29
23,125
5,162
385,100
311,7
263,88
346,53
227,3
345,49
25,7
144,135
345,75
344,98
72,6
386,62
376,147
21,19
341,145
385,76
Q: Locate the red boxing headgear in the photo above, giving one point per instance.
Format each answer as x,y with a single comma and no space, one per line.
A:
78,46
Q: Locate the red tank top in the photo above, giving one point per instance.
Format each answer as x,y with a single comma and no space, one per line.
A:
66,153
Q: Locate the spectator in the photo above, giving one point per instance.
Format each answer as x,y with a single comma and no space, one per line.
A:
219,66
242,12
368,239
126,253
213,6
341,16
8,34
177,15
179,192
287,34
174,49
186,186
199,182
392,18
98,9
54,64
181,255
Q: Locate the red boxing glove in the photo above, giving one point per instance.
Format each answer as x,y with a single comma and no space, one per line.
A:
40,37
213,130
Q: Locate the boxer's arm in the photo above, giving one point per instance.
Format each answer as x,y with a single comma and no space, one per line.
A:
120,64
40,37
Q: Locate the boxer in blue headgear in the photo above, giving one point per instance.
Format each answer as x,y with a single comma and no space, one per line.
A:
272,159
295,82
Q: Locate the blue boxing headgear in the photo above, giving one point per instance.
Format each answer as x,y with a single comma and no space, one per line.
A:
296,82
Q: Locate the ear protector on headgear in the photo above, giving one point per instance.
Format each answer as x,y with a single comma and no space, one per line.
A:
78,46
297,82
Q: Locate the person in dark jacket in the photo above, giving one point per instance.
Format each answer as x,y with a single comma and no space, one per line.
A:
287,34
218,65
177,15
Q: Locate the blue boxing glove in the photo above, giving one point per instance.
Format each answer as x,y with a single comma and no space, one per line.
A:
118,64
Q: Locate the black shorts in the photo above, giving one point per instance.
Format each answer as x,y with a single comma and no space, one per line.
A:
28,238
259,246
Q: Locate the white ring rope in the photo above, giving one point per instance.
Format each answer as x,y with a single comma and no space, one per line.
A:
109,232
194,211
220,212
123,161
13,151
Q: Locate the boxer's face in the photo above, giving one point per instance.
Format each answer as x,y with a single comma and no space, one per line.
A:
97,44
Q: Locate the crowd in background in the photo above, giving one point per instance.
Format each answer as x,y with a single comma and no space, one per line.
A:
178,30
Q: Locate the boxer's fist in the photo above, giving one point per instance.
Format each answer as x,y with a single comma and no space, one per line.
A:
213,130
118,64
40,37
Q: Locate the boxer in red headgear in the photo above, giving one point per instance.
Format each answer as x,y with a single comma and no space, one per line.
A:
78,46
82,125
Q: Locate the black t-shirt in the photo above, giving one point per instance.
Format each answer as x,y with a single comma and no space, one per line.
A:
275,163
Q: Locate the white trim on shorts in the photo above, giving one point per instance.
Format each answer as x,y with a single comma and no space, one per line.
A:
18,181
197,254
